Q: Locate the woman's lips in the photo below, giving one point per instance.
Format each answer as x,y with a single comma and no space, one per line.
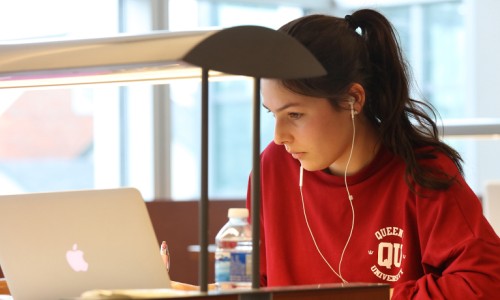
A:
297,155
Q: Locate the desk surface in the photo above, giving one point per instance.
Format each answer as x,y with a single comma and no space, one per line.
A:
312,292
4,289
351,291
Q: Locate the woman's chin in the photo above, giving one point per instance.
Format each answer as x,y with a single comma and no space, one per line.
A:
311,167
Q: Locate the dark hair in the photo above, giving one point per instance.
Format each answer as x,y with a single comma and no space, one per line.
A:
362,48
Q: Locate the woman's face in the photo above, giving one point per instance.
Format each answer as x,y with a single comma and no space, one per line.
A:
310,128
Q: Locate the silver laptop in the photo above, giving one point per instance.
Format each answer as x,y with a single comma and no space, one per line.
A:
58,245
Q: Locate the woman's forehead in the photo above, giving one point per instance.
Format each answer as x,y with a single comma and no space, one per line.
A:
276,96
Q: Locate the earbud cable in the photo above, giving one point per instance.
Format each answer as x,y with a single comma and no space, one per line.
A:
349,193
314,239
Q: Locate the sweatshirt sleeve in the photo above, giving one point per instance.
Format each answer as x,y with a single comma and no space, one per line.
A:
460,250
471,271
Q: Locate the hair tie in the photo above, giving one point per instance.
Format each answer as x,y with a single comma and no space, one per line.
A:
352,22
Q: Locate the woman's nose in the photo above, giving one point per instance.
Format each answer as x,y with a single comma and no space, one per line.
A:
281,134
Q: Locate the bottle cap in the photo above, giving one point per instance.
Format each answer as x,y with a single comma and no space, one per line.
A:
237,213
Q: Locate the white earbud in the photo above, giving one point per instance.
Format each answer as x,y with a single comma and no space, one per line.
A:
301,177
351,103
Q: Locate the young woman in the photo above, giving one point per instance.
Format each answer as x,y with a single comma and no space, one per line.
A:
357,186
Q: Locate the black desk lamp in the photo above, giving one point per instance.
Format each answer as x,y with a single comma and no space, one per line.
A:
252,51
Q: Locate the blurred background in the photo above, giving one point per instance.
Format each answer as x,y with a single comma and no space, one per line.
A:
148,136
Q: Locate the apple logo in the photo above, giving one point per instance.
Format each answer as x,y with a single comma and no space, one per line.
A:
75,259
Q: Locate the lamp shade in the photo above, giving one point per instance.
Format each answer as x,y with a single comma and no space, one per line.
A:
244,50
257,52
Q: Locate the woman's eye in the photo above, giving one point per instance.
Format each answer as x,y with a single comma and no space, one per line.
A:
270,112
294,115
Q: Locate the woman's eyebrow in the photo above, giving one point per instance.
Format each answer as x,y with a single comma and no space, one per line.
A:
288,105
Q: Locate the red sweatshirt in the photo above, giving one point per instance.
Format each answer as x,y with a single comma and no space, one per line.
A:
433,247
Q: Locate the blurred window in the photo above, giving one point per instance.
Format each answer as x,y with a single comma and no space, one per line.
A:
149,136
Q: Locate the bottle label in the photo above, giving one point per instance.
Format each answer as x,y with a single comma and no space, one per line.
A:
234,266
241,267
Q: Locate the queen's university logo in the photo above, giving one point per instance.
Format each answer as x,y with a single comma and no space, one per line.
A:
388,255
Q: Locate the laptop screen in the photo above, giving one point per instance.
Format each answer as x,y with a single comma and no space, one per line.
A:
55,245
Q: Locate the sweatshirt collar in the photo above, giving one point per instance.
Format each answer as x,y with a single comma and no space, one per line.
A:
381,160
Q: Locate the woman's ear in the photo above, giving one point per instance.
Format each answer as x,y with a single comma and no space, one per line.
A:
356,95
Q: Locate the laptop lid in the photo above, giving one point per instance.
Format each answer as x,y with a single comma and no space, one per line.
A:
60,244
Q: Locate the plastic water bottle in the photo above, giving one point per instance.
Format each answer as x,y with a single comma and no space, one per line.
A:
233,255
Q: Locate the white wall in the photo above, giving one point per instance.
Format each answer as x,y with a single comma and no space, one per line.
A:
484,79
486,42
